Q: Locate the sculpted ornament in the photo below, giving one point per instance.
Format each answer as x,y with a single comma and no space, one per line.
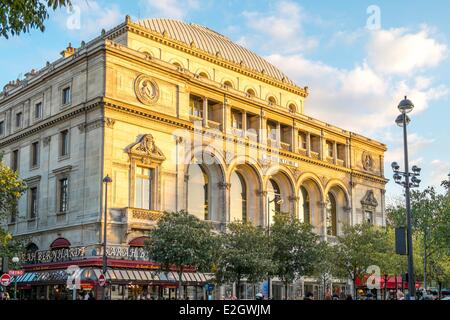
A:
146,89
367,161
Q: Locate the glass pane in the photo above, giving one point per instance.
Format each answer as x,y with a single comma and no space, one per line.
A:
138,192
146,194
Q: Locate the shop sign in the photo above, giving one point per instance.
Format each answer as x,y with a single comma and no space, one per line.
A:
58,255
130,253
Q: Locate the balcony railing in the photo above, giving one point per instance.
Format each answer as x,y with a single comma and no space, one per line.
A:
285,146
142,218
214,125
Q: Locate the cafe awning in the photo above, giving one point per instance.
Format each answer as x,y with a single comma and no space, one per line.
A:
116,276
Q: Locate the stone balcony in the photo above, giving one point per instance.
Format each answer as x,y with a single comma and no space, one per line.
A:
143,219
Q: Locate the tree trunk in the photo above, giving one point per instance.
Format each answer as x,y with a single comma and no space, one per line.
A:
354,286
238,291
180,285
425,260
286,290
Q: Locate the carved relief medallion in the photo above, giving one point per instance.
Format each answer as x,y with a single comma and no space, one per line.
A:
146,89
367,161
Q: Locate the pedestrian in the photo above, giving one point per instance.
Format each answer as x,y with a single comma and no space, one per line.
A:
400,295
349,297
259,296
91,296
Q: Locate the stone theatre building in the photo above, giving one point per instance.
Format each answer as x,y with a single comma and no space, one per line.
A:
181,118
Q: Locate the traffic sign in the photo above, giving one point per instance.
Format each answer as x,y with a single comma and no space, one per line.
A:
5,279
16,273
101,280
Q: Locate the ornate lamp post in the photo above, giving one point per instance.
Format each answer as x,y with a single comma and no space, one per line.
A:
106,181
411,180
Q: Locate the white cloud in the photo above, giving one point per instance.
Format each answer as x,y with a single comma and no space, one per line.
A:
88,18
439,171
417,145
397,51
281,29
359,99
175,9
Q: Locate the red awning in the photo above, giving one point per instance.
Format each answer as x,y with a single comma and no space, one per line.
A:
390,282
138,242
60,243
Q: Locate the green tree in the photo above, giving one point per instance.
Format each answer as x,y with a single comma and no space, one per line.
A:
11,189
430,226
325,268
181,240
295,248
245,253
18,16
359,247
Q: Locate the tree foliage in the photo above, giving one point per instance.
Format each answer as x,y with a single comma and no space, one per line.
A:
295,248
359,247
17,16
245,253
182,240
430,213
11,189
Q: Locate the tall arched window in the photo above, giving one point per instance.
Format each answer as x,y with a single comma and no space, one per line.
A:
238,196
273,198
197,189
304,207
331,215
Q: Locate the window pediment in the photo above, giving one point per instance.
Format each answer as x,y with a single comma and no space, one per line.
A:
369,200
146,149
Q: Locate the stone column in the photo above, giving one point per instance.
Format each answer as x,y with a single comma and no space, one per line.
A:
205,112
225,190
244,122
308,144
294,144
264,208
322,146
263,128
294,206
278,135
347,153
334,152
323,209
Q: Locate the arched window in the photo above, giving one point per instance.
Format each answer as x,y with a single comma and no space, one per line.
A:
31,247
272,101
197,190
292,108
331,215
251,92
238,196
304,206
274,199
203,75
228,84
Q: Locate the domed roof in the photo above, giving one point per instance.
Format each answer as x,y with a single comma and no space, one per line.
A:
213,43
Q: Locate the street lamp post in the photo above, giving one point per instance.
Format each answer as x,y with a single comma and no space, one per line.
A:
15,260
106,181
278,200
405,106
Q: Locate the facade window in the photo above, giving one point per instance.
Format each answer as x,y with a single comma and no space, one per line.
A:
331,221
272,101
369,217
304,206
33,204
330,149
236,119
238,194
38,110
198,193
271,130
34,154
2,128
13,217
144,192
15,160
64,143
302,140
273,194
63,186
251,92
18,119
66,95
196,106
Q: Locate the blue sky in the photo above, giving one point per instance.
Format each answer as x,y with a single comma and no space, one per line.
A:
358,67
